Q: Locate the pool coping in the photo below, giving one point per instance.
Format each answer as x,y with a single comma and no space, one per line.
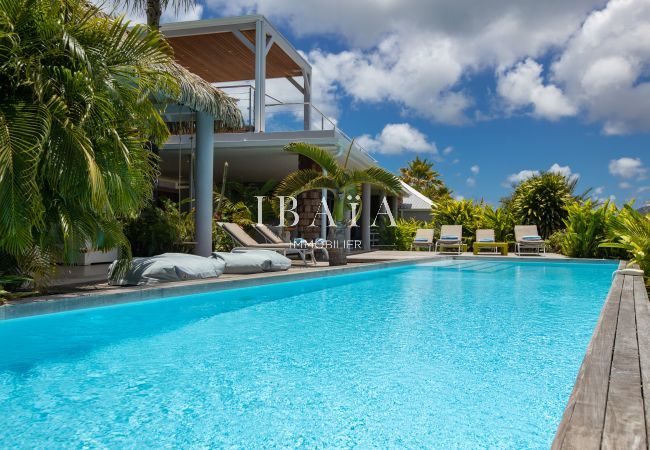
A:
609,406
67,302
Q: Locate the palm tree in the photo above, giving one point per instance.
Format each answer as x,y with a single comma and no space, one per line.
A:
341,181
420,174
195,92
154,8
78,103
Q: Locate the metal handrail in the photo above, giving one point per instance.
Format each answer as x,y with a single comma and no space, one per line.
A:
324,118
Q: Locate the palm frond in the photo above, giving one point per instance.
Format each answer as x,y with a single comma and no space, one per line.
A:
378,177
319,155
298,182
200,95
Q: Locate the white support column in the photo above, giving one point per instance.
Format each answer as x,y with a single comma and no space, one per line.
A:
260,75
204,182
365,216
307,98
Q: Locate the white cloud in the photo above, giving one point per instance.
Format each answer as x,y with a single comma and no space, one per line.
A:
604,66
564,171
627,168
624,185
447,151
475,169
416,53
397,138
458,197
471,181
520,176
523,86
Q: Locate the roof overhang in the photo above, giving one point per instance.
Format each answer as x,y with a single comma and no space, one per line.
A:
223,50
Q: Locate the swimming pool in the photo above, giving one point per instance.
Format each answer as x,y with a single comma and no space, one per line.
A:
447,354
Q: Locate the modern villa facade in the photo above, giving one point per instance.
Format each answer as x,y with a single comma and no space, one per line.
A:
240,54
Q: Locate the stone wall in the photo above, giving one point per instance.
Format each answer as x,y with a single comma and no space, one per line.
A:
308,203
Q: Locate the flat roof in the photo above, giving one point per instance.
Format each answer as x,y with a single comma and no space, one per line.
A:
223,50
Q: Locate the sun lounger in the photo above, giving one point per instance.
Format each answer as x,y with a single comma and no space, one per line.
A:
485,238
527,238
244,241
423,238
450,237
272,238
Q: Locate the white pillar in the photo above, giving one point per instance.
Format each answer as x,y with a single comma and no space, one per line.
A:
307,99
365,216
260,75
204,182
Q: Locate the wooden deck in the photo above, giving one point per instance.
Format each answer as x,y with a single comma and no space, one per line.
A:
608,407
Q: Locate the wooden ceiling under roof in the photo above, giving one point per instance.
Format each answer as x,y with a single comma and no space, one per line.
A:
220,57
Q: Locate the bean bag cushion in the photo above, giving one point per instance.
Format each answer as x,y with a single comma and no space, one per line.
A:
278,262
166,267
252,261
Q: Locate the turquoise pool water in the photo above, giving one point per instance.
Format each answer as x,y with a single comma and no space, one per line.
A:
457,354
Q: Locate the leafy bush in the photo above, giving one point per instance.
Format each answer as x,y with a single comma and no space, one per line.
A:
586,227
402,234
629,230
500,220
459,212
542,200
151,233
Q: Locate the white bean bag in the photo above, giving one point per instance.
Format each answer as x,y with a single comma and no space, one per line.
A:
252,261
166,267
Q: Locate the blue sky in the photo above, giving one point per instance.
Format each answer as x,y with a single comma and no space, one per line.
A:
490,91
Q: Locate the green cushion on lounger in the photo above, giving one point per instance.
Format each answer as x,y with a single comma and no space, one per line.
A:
165,268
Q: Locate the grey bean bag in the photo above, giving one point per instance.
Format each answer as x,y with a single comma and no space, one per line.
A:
252,261
167,267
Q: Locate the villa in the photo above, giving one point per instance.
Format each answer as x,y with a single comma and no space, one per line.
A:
240,54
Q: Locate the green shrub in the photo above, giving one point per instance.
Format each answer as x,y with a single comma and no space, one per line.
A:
151,233
500,220
402,234
629,230
586,227
542,200
459,212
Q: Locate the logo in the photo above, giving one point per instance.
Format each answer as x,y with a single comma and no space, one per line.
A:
289,204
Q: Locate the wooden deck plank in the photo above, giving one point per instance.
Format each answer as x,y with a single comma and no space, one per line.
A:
642,310
582,423
624,416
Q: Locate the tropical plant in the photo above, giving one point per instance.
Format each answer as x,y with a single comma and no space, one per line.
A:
420,175
459,212
586,227
341,181
500,220
542,200
195,92
80,102
401,235
153,232
11,287
629,230
76,112
154,8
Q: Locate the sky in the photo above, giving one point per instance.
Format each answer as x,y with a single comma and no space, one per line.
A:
492,92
